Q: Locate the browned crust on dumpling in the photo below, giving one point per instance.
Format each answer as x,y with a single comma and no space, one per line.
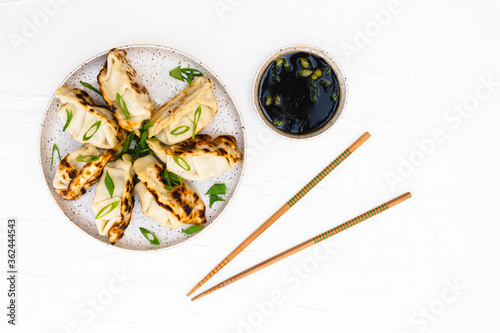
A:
135,82
182,201
81,181
116,231
205,145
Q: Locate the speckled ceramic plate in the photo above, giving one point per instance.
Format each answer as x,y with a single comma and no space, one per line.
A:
153,63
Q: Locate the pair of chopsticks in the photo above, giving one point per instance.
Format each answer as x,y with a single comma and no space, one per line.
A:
282,211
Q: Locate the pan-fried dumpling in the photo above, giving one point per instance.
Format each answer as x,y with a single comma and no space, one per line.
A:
88,123
118,77
114,210
73,178
200,158
174,121
170,208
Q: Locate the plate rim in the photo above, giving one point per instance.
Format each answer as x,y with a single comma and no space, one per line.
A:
243,162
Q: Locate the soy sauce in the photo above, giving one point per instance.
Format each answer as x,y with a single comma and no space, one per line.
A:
294,97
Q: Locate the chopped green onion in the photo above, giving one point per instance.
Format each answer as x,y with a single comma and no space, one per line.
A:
314,90
87,137
193,229
325,83
91,87
277,101
305,72
217,189
317,73
326,70
87,158
269,100
122,105
304,62
172,179
170,187
314,99
180,130
311,82
54,148
148,125
196,119
149,236
287,66
335,96
110,186
111,207
69,116
185,74
128,141
214,198
176,73
279,62
142,141
278,123
185,166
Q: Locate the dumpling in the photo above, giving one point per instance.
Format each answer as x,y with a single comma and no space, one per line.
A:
73,178
200,158
170,208
88,122
174,121
118,77
114,209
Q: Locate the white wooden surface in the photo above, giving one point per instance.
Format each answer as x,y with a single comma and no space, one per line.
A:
424,80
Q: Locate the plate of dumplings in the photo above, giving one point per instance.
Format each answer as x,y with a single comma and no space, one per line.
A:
142,147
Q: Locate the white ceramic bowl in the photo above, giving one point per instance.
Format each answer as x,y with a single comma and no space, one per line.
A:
336,69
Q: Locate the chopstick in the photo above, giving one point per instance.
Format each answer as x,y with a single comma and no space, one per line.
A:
329,168
307,244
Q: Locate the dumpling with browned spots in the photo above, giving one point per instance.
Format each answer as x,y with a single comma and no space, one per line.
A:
124,92
185,114
114,198
79,170
171,208
200,158
87,122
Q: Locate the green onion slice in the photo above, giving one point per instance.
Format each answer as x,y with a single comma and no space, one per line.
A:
180,130
142,141
148,125
183,165
91,87
149,236
176,73
87,158
214,198
122,105
172,179
110,186
111,207
54,148
326,70
69,116
196,119
88,136
217,189
193,229
335,96
128,141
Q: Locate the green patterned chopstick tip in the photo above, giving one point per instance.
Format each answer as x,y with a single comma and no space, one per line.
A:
315,181
350,223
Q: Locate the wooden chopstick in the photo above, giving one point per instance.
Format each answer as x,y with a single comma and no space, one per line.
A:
329,168
307,244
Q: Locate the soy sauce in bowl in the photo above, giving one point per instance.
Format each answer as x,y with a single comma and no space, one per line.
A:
299,93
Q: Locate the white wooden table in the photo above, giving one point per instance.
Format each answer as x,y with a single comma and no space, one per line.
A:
424,81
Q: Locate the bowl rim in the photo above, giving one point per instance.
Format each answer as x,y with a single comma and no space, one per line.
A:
327,57
229,201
